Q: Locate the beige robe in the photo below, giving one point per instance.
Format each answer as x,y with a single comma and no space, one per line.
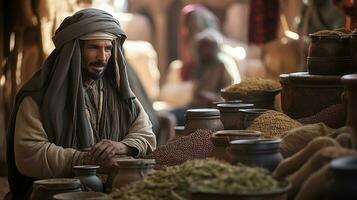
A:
36,157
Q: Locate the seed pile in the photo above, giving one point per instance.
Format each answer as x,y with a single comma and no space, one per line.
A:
194,146
254,85
273,124
333,116
174,182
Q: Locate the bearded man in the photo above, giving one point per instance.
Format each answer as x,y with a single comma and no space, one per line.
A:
78,108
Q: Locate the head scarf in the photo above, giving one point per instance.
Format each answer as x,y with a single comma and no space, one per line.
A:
58,90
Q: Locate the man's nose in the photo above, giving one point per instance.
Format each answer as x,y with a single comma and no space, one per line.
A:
101,55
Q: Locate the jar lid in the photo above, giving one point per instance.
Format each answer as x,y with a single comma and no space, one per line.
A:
253,110
234,107
85,167
304,78
58,183
202,112
349,80
139,161
90,195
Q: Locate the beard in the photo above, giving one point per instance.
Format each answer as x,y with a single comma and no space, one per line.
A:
94,75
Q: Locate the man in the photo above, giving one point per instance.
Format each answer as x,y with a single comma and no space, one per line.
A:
78,109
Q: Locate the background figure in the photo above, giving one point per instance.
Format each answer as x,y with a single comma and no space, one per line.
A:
194,19
214,70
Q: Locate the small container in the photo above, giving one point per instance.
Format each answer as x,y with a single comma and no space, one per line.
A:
221,139
250,114
87,174
82,196
204,118
230,115
262,152
44,189
344,170
130,170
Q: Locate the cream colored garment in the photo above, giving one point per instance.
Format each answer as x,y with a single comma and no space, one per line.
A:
36,157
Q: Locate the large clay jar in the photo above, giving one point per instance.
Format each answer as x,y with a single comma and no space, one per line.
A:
82,196
87,174
350,98
46,188
344,170
329,54
204,118
257,152
304,95
130,170
230,115
221,139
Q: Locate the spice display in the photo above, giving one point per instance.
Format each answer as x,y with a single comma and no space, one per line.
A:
333,116
174,182
195,145
253,85
273,123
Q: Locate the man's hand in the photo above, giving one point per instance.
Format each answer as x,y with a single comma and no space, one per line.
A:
107,149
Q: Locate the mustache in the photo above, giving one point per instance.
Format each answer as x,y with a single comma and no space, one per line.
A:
99,64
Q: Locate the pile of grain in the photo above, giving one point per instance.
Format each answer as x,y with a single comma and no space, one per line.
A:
333,116
174,182
254,85
194,146
273,124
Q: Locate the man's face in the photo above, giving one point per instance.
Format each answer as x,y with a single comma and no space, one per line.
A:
96,54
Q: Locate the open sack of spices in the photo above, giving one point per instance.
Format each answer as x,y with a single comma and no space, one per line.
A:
258,91
207,177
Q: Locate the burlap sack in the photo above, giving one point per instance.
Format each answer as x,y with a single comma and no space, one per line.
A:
318,179
297,138
290,165
316,162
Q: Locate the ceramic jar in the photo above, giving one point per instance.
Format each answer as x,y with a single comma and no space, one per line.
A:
248,115
350,98
262,152
230,115
130,170
221,139
203,118
304,95
329,54
46,188
82,196
87,174
344,170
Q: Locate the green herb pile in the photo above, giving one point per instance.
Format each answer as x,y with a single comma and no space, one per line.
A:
211,175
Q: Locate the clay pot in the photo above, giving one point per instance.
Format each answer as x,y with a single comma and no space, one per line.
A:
87,174
304,95
345,175
248,115
262,152
280,194
230,115
221,139
204,118
350,98
329,55
46,188
129,170
82,196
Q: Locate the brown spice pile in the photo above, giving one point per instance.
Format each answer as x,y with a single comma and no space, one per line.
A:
333,116
253,85
273,124
194,146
